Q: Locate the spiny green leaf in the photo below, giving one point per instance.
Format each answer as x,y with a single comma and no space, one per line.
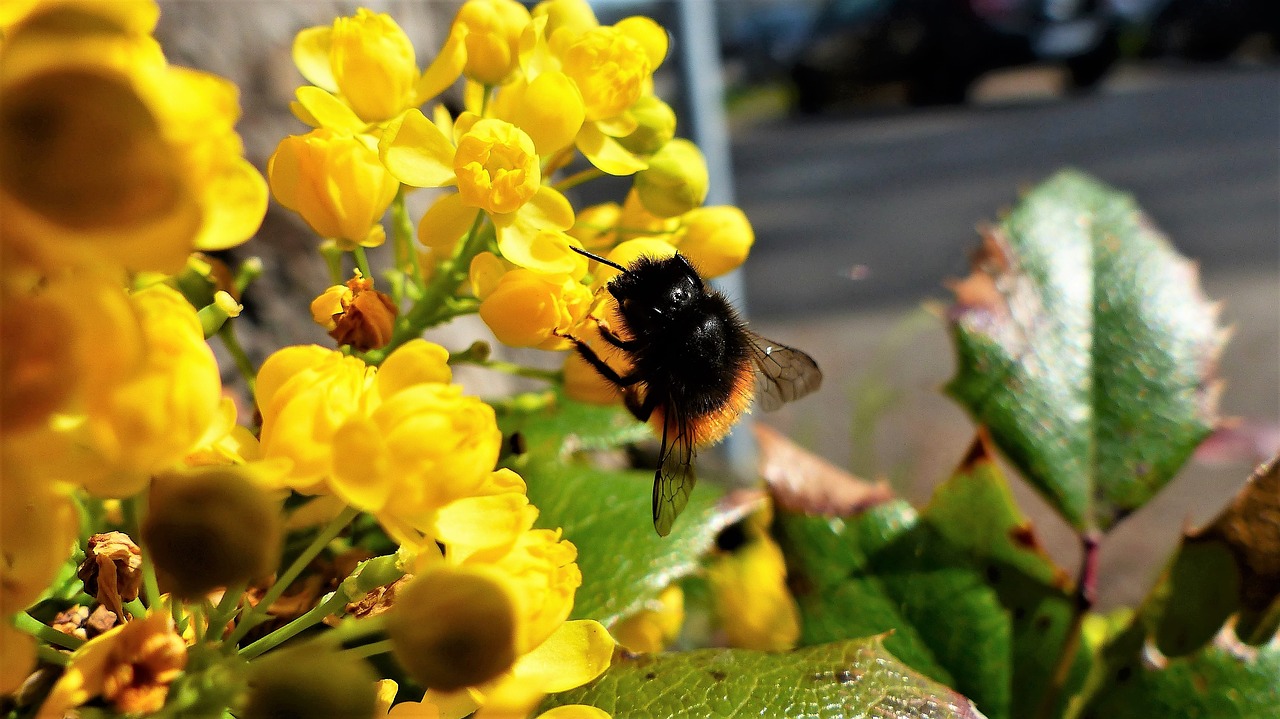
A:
848,679
1086,345
971,598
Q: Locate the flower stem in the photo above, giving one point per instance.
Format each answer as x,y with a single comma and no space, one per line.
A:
134,507
24,622
402,237
578,178
510,368
368,650
315,615
1085,594
227,333
362,262
433,305
258,612
52,656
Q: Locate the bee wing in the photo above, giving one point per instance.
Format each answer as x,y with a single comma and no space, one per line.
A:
673,482
783,373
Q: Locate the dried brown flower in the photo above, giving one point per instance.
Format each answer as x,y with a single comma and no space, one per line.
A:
112,570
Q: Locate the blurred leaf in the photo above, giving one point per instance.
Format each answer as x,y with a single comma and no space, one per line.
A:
1223,680
801,481
1086,345
846,679
969,594
1231,565
607,513
554,425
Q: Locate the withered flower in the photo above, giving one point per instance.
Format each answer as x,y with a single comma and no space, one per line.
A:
112,570
356,314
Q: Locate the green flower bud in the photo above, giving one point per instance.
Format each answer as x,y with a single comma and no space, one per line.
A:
306,681
453,628
657,126
676,180
210,527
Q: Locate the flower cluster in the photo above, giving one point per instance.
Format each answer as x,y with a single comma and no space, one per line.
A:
118,426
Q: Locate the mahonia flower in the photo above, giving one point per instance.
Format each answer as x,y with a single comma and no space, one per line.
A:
492,30
749,585
362,69
336,182
165,173
122,415
130,667
356,314
653,628
526,308
496,171
675,181
715,239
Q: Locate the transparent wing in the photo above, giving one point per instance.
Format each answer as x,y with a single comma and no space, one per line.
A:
673,482
783,373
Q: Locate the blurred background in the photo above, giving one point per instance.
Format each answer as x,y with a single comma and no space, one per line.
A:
865,140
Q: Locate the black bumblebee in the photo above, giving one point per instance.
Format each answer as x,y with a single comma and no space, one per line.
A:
695,367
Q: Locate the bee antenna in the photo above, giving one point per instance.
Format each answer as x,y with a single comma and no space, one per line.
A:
600,259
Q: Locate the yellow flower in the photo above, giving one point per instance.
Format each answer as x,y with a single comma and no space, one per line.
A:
653,628
38,530
129,666
493,164
636,221
119,157
596,225
336,183
129,412
526,307
575,15
655,126
675,181
716,239
751,595
17,657
366,59
493,29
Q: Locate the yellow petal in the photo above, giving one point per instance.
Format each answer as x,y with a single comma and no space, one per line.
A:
359,475
446,68
17,657
415,362
549,109
575,711
484,274
416,151
651,36
327,110
548,252
618,125
234,202
473,524
445,222
605,153
311,55
578,652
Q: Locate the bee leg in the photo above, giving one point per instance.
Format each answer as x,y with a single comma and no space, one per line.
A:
615,340
603,368
641,409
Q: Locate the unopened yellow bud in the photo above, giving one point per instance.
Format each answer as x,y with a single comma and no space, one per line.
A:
310,681
595,226
208,528
675,181
526,307
716,239
453,628
657,126
373,64
493,38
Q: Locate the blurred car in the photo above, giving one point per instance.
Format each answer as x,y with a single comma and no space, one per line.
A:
1206,30
939,47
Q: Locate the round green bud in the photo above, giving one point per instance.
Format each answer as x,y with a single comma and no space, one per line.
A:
675,181
657,126
306,682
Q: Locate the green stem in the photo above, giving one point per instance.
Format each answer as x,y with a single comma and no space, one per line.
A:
315,615
510,368
362,262
134,508
24,622
222,613
402,237
227,333
578,178
333,260
434,303
179,616
258,613
137,609
368,650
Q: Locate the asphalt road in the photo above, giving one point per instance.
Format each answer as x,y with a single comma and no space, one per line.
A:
899,192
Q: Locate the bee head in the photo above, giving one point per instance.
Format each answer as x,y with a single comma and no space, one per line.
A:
652,290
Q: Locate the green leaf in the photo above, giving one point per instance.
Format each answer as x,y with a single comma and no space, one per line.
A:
971,598
1223,680
845,679
555,426
608,514
1086,345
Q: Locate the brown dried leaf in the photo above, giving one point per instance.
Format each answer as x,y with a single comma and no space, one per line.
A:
801,481
1250,528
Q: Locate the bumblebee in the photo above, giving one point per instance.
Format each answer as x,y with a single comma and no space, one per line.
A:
695,367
